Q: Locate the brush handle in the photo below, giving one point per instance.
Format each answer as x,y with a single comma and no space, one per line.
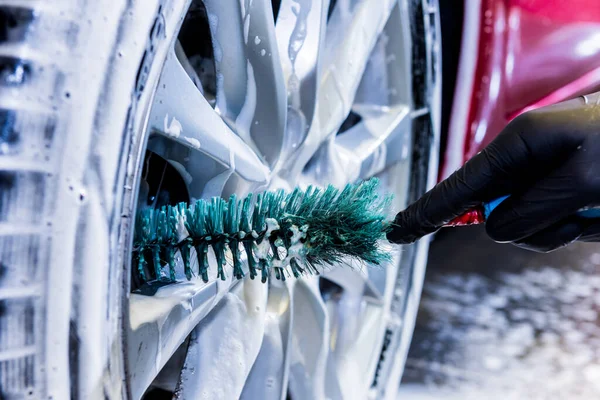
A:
479,214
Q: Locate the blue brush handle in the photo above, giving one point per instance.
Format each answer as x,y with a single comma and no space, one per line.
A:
489,207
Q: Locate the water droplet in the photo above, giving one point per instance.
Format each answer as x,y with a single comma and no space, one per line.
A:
270,382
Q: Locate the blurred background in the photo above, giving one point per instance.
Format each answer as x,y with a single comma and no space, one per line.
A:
499,322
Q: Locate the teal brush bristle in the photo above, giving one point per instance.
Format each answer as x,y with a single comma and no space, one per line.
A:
282,234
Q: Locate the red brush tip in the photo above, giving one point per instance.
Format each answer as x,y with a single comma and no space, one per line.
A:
472,217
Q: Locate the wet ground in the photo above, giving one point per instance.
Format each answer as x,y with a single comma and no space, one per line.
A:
497,322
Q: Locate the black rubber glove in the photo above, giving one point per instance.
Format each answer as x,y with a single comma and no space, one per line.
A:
548,160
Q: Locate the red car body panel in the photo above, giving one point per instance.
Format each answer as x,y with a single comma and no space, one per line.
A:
529,53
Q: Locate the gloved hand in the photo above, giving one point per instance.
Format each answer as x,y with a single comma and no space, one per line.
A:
548,160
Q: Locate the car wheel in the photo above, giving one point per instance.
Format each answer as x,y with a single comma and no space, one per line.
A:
111,106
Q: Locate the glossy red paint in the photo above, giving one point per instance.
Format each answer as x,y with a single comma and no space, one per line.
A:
530,53
474,216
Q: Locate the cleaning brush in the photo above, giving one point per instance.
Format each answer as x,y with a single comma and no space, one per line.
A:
479,214
283,234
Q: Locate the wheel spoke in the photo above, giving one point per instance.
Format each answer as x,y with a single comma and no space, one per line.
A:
358,316
356,328
362,151
309,342
269,375
301,34
160,323
381,128
387,76
224,347
351,43
351,282
182,114
351,36
248,68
